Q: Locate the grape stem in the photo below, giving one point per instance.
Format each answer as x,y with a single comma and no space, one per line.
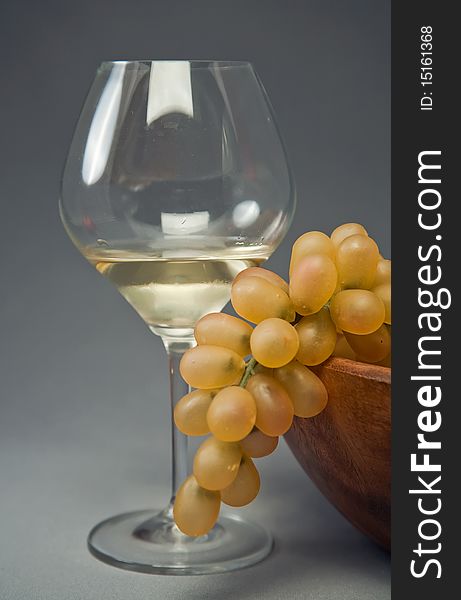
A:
249,371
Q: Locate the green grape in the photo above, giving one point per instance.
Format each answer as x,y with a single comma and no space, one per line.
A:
372,347
344,231
306,391
383,272
255,299
195,509
245,486
209,367
313,242
257,444
216,463
232,414
342,349
383,291
219,329
269,276
357,311
274,409
317,338
312,283
274,342
190,412
356,260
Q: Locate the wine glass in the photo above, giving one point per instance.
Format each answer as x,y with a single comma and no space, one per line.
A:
176,180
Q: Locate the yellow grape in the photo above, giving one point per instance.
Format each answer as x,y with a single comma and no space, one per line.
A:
313,242
263,370
357,311
305,389
344,231
312,283
190,412
195,509
356,260
342,349
232,414
274,342
317,337
255,299
209,367
216,463
269,276
383,272
257,444
245,486
383,291
373,347
219,329
386,362
274,409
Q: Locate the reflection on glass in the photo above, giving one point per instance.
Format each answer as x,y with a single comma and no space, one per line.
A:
246,213
185,223
170,90
102,127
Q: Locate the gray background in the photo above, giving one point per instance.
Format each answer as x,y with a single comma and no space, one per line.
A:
83,384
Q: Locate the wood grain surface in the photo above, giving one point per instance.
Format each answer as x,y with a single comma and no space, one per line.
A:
346,450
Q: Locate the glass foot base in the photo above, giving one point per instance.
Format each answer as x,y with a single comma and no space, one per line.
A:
149,542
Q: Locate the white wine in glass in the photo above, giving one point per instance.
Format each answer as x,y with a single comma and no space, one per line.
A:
176,180
171,294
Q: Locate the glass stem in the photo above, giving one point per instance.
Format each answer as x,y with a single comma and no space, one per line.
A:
178,388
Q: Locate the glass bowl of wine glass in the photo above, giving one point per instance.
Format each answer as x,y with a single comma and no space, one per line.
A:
176,180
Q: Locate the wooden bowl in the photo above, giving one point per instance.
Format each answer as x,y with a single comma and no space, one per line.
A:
346,450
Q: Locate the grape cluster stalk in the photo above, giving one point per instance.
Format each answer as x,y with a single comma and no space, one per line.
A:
251,373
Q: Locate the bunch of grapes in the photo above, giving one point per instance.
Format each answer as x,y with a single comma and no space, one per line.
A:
251,381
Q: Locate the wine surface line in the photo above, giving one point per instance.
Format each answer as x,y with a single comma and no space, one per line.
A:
170,293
